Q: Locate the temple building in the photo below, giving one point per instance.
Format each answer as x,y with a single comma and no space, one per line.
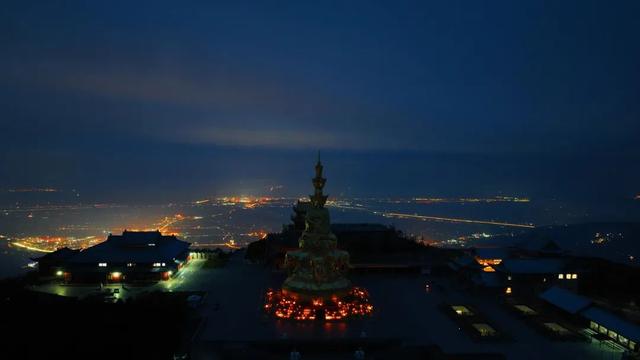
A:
317,287
512,271
600,323
132,256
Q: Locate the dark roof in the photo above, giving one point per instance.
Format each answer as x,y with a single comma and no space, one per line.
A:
464,260
58,255
541,245
138,238
533,266
491,253
488,279
347,227
565,299
613,322
134,246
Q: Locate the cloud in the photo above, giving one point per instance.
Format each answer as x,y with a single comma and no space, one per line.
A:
283,138
223,105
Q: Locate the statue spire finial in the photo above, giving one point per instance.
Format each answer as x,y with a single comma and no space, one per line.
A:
318,199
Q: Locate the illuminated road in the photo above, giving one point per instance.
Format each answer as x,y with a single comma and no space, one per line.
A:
50,244
32,248
186,279
456,220
434,218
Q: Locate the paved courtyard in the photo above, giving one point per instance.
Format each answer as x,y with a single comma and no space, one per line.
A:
232,312
403,309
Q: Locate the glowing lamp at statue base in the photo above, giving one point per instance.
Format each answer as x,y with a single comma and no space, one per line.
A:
285,305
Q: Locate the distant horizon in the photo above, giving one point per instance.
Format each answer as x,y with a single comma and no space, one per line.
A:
182,175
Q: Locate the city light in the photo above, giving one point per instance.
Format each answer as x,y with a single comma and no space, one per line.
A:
260,234
488,262
52,243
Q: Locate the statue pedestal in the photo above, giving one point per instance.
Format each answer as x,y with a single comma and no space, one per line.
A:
352,303
317,275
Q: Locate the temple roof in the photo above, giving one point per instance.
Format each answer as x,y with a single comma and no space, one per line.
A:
133,246
491,253
58,255
359,227
533,266
613,322
565,299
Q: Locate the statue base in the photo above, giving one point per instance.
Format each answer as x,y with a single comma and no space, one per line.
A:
348,304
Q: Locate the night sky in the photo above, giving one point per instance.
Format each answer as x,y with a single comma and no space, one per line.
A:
168,100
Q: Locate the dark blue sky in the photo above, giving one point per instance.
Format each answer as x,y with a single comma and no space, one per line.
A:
176,99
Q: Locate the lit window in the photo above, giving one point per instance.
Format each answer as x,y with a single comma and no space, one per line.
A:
102,264
59,273
151,244
560,276
157,264
593,325
509,277
507,290
623,340
602,329
131,264
574,276
163,264
487,262
568,276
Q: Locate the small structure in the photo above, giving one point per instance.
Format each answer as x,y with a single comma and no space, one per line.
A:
615,328
600,321
507,271
537,274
